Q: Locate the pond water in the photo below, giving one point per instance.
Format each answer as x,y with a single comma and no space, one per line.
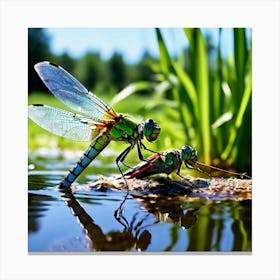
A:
92,220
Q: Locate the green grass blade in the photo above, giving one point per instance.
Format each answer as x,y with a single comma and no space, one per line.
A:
189,34
165,60
186,83
239,119
240,57
178,95
217,113
131,89
202,85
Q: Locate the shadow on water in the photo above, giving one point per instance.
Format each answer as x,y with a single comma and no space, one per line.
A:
94,220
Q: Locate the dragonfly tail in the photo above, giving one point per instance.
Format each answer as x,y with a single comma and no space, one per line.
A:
89,155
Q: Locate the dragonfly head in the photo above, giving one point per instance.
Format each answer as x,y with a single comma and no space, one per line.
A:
189,155
151,130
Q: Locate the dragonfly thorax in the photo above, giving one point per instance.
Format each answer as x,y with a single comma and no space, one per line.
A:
126,128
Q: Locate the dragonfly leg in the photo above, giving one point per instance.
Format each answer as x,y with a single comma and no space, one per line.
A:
123,155
145,148
121,159
118,214
187,181
140,145
199,170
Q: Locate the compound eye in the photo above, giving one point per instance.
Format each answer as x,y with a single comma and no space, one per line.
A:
189,153
151,130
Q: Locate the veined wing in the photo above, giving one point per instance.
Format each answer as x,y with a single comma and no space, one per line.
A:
71,92
62,123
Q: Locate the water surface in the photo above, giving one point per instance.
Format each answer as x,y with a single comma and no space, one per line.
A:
92,220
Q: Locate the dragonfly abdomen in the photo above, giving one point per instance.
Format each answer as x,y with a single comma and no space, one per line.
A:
89,155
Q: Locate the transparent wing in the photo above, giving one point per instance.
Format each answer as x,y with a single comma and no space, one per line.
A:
61,122
71,92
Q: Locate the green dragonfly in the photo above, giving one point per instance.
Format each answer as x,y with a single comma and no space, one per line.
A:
170,161
97,121
167,162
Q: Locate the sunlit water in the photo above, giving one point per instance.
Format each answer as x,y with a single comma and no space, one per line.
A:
90,221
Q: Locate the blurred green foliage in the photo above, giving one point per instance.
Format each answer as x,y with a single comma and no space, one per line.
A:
205,102
199,98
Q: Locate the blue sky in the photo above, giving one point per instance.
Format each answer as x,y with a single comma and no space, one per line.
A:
130,42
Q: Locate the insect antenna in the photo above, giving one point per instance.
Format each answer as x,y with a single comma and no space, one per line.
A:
241,175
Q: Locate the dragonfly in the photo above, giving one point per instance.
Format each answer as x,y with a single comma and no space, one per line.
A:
167,162
170,161
92,120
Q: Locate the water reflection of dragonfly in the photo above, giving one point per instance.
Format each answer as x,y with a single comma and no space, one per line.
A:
170,161
178,211
98,122
134,234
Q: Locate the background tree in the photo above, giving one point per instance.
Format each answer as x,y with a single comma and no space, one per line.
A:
88,70
144,69
117,71
38,50
66,61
